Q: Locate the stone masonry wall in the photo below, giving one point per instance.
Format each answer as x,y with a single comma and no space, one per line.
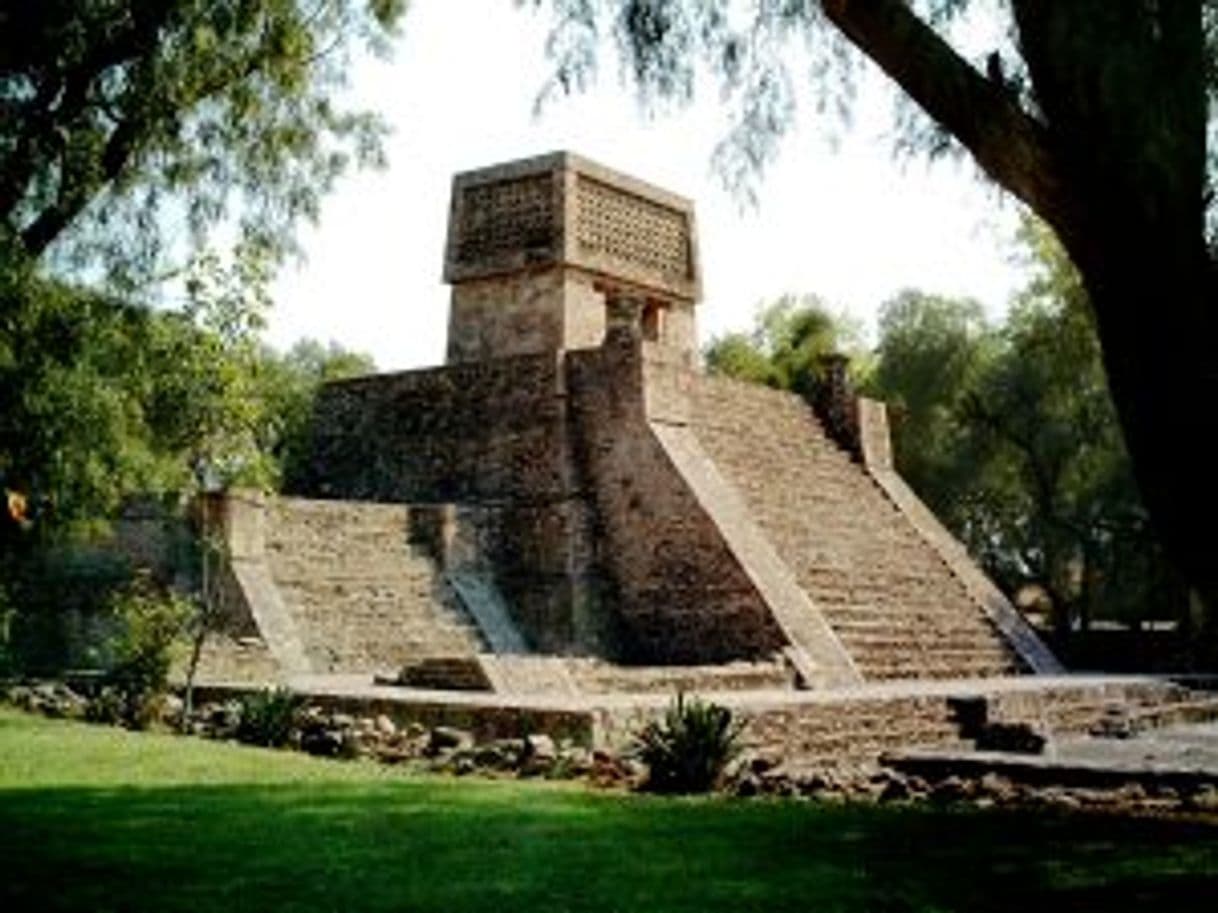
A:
492,433
478,432
681,595
528,312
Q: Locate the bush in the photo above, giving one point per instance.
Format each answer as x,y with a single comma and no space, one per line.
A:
150,624
688,750
268,718
107,707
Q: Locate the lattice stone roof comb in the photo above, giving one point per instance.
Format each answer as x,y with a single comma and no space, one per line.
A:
564,210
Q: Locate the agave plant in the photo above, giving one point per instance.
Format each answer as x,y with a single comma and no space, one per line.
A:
687,751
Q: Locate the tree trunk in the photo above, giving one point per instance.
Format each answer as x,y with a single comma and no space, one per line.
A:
1122,90
1155,308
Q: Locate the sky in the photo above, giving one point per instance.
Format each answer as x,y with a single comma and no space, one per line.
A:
846,220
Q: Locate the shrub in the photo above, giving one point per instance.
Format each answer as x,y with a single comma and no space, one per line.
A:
268,717
150,623
688,750
107,706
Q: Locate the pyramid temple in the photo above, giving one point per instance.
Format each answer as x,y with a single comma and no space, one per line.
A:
569,505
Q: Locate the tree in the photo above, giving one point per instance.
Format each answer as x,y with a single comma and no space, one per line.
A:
102,399
789,337
122,120
288,386
1010,435
931,351
1093,113
75,371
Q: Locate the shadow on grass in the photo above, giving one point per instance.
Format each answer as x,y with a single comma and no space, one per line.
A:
469,847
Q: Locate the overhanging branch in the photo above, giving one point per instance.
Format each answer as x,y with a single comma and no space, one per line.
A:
1008,144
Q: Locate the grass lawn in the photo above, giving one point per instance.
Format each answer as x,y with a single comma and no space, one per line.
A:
99,819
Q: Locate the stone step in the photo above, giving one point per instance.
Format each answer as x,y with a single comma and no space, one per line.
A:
897,629
451,673
924,671
598,677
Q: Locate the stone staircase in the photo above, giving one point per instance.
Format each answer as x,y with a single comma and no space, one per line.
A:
362,597
892,601
600,677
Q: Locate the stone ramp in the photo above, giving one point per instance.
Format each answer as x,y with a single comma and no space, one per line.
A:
484,603
362,595
886,593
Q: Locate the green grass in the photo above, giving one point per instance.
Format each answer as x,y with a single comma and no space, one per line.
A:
99,819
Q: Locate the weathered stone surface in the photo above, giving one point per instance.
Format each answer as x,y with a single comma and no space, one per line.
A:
635,521
448,738
540,747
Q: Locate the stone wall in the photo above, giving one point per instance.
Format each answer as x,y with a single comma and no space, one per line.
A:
596,677
524,313
682,596
832,729
478,432
233,660
490,433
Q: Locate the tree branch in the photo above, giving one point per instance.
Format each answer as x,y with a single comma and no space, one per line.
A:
77,190
38,235
65,96
1009,145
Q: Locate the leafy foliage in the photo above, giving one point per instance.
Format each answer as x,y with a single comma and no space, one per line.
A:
118,117
1010,434
268,717
287,387
784,348
664,48
688,750
102,400
150,623
932,349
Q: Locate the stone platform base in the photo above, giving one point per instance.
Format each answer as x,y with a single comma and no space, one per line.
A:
825,729
1181,758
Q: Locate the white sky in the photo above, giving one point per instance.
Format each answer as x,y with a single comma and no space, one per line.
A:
851,224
